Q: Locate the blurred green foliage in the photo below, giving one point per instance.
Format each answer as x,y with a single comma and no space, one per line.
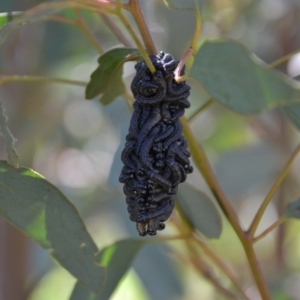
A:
76,144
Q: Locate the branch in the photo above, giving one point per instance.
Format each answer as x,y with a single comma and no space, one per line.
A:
34,79
135,9
282,59
269,229
273,190
117,32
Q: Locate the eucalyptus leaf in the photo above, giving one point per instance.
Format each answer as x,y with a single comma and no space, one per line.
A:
117,258
200,211
235,78
43,213
107,78
293,210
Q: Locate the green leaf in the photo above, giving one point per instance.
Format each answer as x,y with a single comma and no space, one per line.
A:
8,17
238,80
117,258
293,210
293,111
107,78
182,5
44,214
200,211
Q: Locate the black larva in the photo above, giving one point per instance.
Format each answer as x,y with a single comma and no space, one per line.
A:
155,156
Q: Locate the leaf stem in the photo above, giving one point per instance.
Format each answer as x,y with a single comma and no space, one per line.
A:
204,167
135,9
61,20
87,32
219,262
198,29
136,39
269,229
117,32
33,79
256,269
273,190
207,104
177,72
205,270
282,59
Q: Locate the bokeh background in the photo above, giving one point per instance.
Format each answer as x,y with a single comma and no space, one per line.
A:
76,145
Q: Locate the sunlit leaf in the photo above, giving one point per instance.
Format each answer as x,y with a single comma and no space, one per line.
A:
107,78
293,111
44,214
182,5
293,210
200,211
44,10
117,258
8,17
238,80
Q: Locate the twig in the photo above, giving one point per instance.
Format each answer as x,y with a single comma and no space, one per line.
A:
87,32
135,9
282,59
136,40
273,190
204,167
207,104
220,264
269,229
33,79
117,32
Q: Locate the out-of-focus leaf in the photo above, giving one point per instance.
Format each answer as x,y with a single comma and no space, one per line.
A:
234,78
8,17
107,78
200,211
293,111
43,213
293,210
246,168
182,5
45,10
117,258
158,262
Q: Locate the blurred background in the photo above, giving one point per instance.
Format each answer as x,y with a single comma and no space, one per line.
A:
76,145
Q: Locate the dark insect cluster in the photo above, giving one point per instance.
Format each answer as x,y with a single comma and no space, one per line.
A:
155,156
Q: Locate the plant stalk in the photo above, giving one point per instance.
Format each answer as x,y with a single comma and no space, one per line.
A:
273,190
204,167
269,229
282,59
219,262
34,79
117,32
136,11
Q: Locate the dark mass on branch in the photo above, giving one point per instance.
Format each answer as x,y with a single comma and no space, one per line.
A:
155,155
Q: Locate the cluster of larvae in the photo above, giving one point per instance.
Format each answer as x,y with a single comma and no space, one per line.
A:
155,156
